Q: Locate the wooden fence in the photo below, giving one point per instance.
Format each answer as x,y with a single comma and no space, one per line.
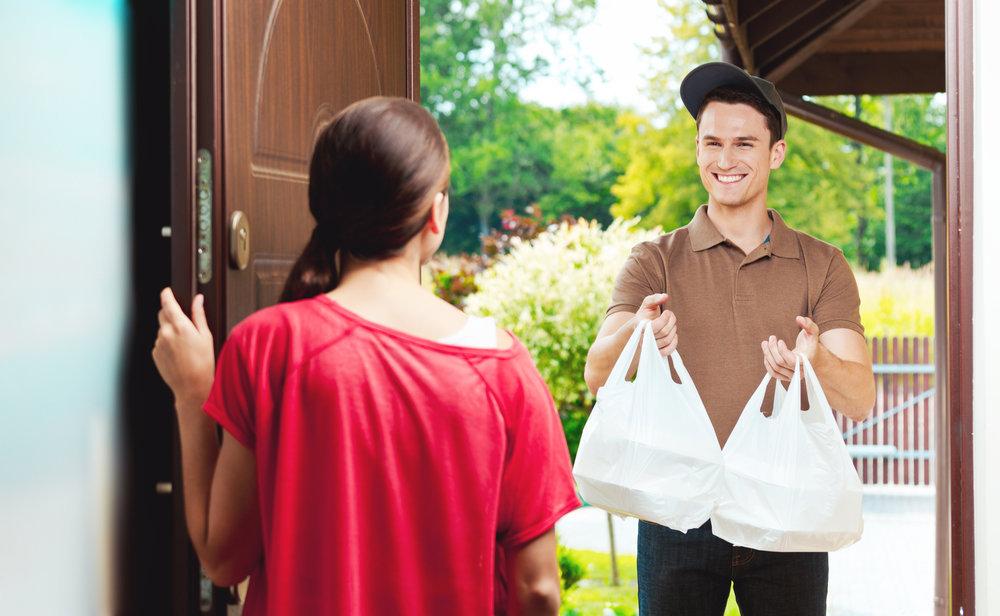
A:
895,446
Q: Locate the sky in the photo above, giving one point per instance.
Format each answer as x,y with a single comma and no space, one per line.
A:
612,42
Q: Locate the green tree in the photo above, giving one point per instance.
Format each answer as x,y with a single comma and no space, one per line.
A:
476,56
821,188
585,162
661,182
920,117
688,41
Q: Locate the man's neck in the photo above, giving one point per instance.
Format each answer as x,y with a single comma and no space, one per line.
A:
747,226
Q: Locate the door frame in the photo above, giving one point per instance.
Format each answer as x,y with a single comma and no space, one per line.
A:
961,137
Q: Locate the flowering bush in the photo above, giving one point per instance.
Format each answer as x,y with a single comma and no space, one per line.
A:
552,293
452,277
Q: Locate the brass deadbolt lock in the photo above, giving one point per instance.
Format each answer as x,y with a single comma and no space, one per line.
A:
239,240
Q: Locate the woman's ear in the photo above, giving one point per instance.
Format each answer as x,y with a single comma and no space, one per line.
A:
439,213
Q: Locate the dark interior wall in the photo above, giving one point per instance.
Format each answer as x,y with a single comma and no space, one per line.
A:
145,582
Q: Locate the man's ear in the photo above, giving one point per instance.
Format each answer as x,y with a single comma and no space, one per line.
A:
778,154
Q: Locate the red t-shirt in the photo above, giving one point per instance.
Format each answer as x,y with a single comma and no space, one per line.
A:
392,470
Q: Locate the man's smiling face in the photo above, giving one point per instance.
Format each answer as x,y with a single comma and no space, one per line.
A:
734,155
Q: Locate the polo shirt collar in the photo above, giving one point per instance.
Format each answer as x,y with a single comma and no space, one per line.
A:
704,235
783,240
702,232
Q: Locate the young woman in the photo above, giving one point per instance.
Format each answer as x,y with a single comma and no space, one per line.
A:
382,452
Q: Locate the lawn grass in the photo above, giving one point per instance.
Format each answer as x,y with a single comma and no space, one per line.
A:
594,595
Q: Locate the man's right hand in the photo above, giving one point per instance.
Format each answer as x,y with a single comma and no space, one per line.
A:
664,323
618,328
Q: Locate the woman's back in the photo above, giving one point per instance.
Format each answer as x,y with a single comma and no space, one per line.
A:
389,465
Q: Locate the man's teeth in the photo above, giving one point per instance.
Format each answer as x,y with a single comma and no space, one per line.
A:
728,179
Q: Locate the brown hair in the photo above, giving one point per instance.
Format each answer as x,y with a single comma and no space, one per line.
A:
739,96
372,177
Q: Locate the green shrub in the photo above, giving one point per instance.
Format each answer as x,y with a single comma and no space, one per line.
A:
571,570
552,293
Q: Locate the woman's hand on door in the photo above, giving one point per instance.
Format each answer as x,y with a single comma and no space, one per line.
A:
184,352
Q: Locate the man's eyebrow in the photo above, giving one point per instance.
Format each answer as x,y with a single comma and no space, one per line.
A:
740,138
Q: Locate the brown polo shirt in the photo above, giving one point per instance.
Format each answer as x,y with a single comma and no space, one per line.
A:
727,302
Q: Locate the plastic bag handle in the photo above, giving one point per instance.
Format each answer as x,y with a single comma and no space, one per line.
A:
819,405
679,367
620,369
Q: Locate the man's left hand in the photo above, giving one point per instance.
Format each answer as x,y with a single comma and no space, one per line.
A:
779,360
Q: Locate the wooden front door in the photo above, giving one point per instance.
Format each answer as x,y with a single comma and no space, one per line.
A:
254,82
287,68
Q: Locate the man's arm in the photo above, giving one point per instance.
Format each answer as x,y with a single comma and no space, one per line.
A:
615,332
840,359
533,574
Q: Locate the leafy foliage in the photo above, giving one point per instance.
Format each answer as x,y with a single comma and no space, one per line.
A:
821,189
922,119
661,182
476,56
571,570
453,277
552,293
687,42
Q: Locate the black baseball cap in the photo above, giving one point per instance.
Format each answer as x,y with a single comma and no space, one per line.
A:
705,78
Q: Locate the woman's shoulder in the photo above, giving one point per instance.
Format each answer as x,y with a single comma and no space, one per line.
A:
284,320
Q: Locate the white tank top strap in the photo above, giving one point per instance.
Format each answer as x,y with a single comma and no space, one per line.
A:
478,332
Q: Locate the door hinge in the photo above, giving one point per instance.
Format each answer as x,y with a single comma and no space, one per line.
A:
203,223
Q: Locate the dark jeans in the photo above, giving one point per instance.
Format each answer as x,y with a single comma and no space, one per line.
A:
688,574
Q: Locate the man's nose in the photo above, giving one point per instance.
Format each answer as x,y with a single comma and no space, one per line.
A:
726,159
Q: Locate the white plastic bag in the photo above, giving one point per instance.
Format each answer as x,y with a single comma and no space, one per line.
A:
790,485
648,449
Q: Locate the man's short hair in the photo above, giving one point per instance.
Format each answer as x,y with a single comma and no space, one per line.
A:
738,96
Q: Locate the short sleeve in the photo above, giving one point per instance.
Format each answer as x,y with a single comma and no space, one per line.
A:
537,486
839,304
231,401
633,283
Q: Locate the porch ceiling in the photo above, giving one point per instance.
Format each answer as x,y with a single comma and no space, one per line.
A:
824,47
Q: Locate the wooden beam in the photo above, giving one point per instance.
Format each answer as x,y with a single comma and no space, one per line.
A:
783,23
737,31
750,10
819,32
881,73
888,44
856,130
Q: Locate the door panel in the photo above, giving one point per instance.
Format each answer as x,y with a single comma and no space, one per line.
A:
253,83
288,67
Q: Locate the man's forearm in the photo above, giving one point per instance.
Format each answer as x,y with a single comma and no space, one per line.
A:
849,386
604,354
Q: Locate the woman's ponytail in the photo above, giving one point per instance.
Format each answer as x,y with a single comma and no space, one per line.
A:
314,272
